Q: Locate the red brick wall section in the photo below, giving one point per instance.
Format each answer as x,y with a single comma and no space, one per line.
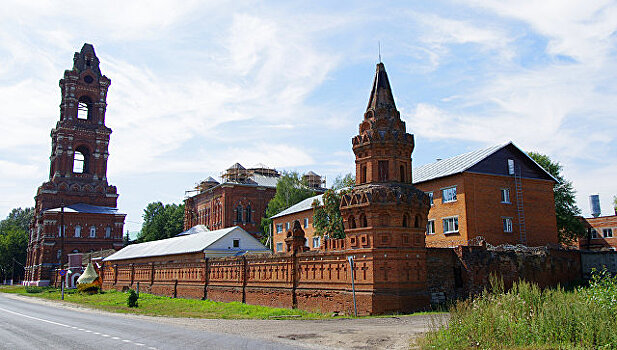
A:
464,271
600,224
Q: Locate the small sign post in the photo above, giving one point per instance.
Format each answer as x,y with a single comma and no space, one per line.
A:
353,285
62,274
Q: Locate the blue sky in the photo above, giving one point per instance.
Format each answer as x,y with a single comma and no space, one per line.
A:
198,86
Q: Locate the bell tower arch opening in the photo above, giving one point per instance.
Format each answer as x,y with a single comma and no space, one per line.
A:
84,108
81,160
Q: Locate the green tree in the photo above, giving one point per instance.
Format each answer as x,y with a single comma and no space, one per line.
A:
290,190
161,221
569,227
346,181
327,219
615,204
14,242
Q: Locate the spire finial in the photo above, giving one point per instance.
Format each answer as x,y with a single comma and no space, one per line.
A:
379,49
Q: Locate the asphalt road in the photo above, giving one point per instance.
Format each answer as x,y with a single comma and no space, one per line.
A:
26,325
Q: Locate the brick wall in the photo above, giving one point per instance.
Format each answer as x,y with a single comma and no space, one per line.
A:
463,271
600,224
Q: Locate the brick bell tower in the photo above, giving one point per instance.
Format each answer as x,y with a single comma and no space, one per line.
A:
77,193
384,215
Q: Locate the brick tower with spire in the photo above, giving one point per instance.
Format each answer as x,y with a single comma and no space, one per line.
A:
384,215
77,194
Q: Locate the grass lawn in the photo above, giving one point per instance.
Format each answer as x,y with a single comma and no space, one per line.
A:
526,317
164,306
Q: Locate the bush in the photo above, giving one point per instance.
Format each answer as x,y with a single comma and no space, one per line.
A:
529,317
34,289
131,300
88,288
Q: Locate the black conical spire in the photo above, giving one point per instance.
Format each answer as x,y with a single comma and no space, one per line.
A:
381,94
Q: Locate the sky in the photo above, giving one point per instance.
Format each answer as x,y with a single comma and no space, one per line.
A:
199,85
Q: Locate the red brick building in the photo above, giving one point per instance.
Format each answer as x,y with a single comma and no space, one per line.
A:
601,233
77,195
497,193
240,199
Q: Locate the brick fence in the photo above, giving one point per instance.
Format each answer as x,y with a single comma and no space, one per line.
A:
321,280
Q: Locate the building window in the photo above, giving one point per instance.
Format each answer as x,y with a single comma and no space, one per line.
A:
352,222
402,173
430,197
279,228
305,222
92,231
607,232
239,213
382,167
236,243
249,214
316,242
405,221
80,160
507,224
430,227
450,225
594,233
363,174
448,194
60,231
505,195
511,166
107,232
287,226
279,247
77,231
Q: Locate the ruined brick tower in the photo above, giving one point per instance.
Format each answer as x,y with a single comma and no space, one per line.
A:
77,192
384,215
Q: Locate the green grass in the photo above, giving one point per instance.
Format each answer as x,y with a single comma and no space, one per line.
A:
526,317
164,306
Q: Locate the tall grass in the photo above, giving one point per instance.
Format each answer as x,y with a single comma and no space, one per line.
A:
526,317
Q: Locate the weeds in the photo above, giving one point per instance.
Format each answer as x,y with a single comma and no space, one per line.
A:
528,317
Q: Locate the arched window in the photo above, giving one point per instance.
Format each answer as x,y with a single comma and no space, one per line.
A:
417,221
77,231
239,213
363,174
84,108
249,214
352,222
92,231
402,171
107,232
81,160
405,221
362,220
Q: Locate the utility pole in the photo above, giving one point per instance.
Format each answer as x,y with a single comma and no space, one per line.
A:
62,246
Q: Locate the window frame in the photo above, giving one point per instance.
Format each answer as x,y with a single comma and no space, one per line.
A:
279,247
505,200
278,228
443,196
236,243
77,231
594,233
92,232
431,198
430,223
507,222
605,230
454,223
305,223
316,239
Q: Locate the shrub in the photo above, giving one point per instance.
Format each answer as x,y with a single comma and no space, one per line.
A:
88,288
131,300
34,289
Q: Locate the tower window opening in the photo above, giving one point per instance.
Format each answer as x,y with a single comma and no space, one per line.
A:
402,172
249,215
363,174
80,160
352,222
383,170
405,221
239,213
84,108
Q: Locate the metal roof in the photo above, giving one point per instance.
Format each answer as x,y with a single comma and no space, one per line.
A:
86,208
462,162
301,206
193,230
176,245
454,165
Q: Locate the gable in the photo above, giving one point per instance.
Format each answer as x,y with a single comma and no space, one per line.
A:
497,164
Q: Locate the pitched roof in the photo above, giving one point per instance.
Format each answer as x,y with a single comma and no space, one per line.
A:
85,208
460,163
176,245
210,179
301,206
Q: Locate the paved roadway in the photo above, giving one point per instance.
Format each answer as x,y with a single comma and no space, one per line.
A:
26,325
